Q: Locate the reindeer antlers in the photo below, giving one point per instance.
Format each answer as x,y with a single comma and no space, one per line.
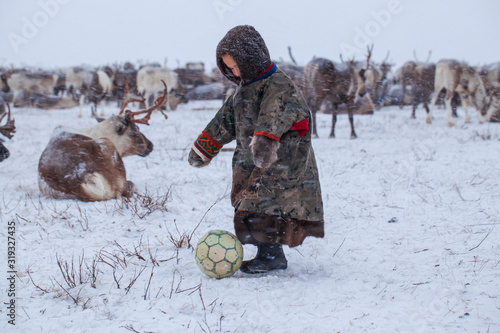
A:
136,97
130,97
9,128
428,56
369,55
351,61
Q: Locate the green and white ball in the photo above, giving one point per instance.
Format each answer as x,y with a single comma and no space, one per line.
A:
219,254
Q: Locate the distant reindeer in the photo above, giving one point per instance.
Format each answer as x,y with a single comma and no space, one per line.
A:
126,74
148,84
339,83
490,75
376,78
87,164
24,84
192,76
419,77
454,76
86,84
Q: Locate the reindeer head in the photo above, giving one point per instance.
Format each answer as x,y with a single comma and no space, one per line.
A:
122,129
125,135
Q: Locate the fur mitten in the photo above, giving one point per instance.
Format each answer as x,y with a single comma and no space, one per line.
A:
197,160
264,151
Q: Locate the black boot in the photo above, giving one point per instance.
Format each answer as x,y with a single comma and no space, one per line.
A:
269,257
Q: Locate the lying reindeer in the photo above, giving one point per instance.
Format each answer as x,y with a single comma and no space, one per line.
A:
87,164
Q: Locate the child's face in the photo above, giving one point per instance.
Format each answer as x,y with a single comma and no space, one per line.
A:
231,64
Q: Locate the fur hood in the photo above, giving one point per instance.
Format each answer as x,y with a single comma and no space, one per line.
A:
248,50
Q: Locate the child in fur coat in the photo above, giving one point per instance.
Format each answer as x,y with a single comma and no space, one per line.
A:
276,192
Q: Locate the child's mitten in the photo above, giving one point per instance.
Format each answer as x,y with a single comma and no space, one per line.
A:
264,151
196,160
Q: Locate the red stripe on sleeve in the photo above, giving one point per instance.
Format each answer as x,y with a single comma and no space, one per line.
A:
269,135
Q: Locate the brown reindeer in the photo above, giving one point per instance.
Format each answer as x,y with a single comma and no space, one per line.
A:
454,76
339,83
87,164
419,77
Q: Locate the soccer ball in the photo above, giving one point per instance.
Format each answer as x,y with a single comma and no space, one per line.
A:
219,254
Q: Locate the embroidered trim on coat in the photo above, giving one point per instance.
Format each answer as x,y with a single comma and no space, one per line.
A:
207,145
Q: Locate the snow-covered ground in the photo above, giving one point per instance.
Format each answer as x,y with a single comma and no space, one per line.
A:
412,235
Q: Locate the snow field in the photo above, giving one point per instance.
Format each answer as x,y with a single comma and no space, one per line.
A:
412,234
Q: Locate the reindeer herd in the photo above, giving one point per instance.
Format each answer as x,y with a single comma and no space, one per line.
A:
358,87
86,164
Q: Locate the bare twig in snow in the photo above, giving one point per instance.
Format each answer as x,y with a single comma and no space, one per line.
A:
481,242
38,287
117,281
460,195
339,248
134,279
67,292
130,328
149,283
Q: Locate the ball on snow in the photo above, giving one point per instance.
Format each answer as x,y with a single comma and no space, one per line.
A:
219,254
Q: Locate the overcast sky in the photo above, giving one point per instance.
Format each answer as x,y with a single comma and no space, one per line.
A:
60,33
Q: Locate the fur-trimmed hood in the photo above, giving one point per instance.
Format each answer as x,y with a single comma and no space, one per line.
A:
249,51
